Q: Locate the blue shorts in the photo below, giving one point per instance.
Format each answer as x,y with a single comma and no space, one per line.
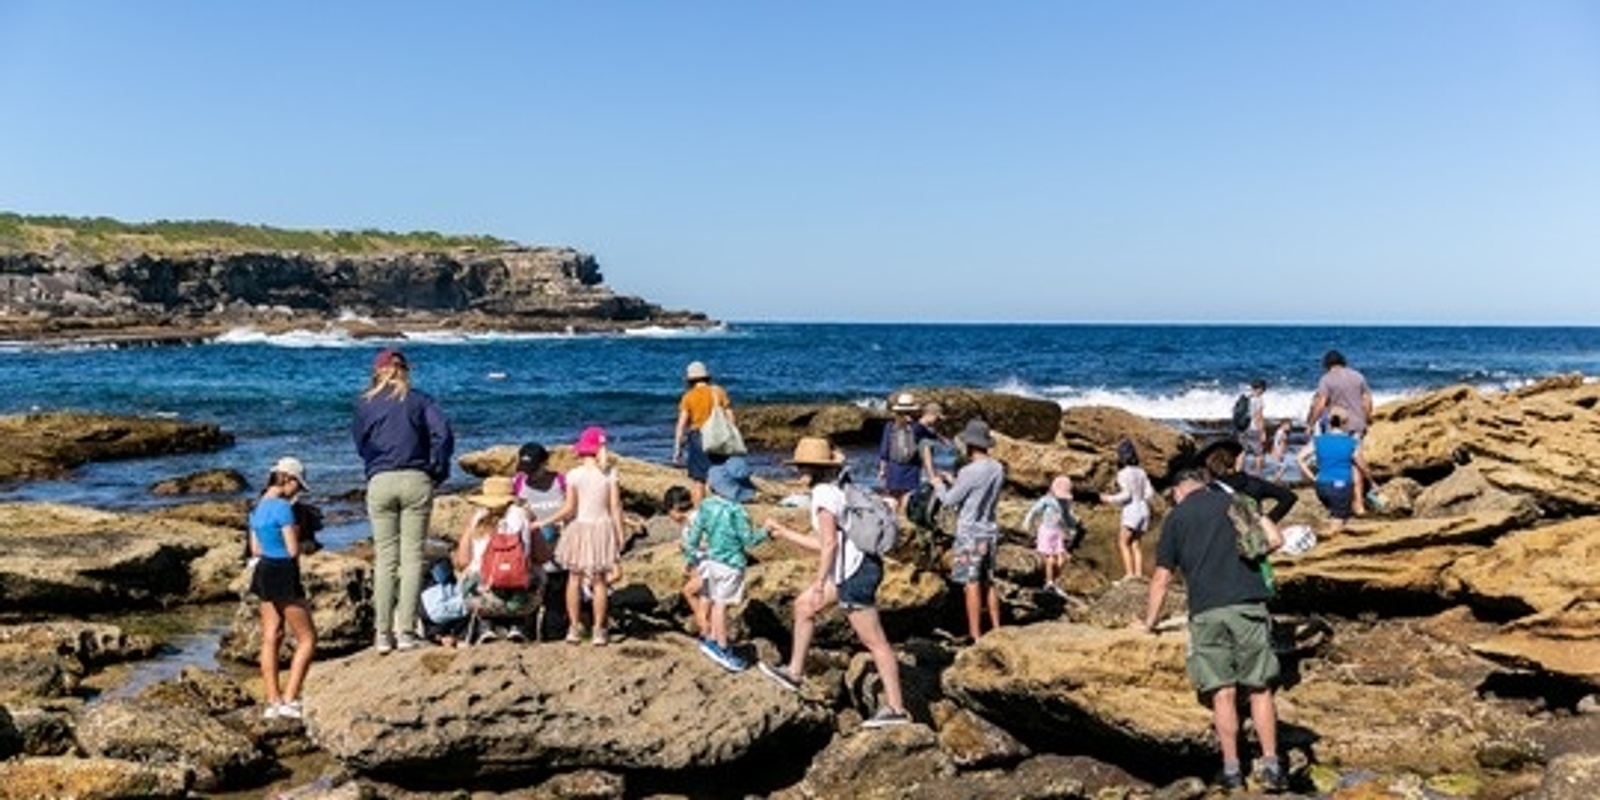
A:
860,590
1336,496
695,459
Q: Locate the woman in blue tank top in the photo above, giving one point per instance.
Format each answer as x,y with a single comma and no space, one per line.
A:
275,544
1337,456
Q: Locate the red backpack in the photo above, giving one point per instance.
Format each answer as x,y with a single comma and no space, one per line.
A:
505,563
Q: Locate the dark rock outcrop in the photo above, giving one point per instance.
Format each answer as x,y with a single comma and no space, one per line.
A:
524,288
48,446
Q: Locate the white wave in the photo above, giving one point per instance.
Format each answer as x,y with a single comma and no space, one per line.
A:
299,338
1016,386
662,332
346,315
1197,404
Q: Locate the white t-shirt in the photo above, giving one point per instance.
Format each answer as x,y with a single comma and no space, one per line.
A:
848,558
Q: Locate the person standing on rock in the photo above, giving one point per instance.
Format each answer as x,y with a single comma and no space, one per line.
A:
844,575
405,443
694,408
1254,437
275,544
1133,495
976,493
1230,642
1343,387
591,544
900,452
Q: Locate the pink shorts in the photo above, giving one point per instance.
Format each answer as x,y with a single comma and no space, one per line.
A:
1051,541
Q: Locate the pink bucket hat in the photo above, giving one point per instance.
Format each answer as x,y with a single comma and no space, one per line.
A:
590,441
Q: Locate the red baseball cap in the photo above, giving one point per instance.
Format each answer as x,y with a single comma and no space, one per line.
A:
389,357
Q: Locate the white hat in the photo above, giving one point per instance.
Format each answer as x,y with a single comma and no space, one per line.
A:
905,402
1298,540
289,465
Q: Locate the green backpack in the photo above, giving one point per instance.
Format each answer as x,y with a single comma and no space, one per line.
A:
1250,538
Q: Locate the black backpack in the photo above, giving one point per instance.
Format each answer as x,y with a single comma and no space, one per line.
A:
1241,413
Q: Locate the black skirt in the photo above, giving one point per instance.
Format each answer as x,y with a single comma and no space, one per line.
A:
277,580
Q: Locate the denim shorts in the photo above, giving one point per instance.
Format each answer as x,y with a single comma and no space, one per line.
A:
695,460
860,590
1337,497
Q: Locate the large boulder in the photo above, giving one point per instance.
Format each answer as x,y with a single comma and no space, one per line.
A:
506,711
1540,441
153,733
211,481
1387,696
46,446
91,779
902,762
1373,565
778,426
1530,571
1466,491
1096,430
1564,640
1031,466
66,559
338,589
1032,419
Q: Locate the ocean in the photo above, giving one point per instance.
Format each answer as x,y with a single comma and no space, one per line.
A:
292,393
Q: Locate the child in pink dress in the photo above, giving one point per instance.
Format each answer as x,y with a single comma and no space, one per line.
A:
591,543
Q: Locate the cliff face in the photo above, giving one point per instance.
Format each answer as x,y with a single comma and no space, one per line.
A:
513,288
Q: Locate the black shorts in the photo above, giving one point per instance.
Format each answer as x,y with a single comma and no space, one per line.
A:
277,580
1337,497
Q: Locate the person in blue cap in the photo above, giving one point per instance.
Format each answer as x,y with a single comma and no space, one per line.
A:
714,545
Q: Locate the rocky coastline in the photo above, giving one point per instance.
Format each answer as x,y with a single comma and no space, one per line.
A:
149,298
1446,647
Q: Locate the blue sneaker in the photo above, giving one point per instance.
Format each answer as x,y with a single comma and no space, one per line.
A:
709,649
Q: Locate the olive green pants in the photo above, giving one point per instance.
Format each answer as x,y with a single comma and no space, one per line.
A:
398,505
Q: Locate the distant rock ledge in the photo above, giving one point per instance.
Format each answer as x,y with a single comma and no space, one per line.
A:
156,298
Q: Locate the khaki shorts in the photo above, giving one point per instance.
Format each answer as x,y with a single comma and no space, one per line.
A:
721,584
1231,646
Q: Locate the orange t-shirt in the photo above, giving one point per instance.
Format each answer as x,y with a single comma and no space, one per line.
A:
697,402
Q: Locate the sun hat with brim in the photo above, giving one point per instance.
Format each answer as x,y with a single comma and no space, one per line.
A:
905,403
815,451
1230,446
495,493
976,434
731,480
696,371
291,466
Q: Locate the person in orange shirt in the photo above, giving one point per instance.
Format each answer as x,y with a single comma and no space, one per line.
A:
694,408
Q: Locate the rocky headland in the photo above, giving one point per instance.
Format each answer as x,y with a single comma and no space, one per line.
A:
1447,647
76,279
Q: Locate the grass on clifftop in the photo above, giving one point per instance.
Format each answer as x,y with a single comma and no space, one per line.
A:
101,237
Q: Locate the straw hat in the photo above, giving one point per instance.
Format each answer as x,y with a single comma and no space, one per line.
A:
904,402
696,371
495,493
289,465
815,451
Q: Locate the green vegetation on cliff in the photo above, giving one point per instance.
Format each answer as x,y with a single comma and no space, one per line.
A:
101,237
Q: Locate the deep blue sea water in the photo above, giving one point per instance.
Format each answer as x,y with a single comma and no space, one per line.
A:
292,394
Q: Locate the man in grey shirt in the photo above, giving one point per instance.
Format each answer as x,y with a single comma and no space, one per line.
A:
1345,388
976,492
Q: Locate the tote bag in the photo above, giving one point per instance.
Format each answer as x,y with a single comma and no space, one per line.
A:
719,437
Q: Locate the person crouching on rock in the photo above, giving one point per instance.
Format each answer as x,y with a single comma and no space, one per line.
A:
275,544
503,578
844,574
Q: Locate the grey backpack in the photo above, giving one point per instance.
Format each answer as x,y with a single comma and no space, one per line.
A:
869,523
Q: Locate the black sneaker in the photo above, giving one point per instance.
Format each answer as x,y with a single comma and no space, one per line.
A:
1230,781
1272,779
781,676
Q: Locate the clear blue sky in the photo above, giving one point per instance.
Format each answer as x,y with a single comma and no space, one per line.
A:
1073,161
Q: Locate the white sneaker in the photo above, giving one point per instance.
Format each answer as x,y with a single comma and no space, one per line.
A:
383,643
292,710
408,641
272,711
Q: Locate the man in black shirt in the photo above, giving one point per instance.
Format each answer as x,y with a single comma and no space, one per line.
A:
1230,643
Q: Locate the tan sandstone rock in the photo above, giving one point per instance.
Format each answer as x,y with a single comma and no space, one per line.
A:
43,446
91,779
1540,441
507,710
1096,430
1531,571
1564,640
153,733
56,558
